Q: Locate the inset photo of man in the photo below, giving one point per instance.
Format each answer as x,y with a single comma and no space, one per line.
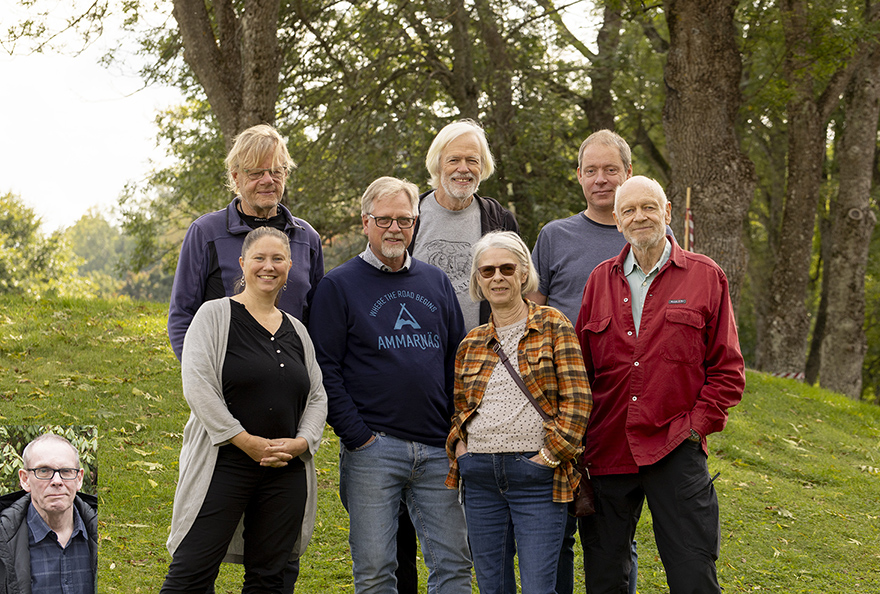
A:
48,510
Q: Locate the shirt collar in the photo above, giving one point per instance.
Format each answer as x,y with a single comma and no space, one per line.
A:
40,529
487,330
370,258
630,264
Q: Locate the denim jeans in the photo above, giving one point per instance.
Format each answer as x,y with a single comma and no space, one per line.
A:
372,480
508,502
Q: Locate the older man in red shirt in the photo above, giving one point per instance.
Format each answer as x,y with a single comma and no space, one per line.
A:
659,339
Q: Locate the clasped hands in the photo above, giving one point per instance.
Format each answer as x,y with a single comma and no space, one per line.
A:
270,452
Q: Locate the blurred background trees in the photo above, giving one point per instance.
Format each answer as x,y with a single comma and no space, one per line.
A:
765,111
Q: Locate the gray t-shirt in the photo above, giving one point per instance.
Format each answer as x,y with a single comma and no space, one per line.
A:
566,253
445,240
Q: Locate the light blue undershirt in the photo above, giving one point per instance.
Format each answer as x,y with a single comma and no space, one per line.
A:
639,282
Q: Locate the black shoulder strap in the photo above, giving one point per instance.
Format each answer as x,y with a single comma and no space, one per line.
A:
519,381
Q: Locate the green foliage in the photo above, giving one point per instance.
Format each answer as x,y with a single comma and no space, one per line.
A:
105,253
33,264
14,438
799,486
364,89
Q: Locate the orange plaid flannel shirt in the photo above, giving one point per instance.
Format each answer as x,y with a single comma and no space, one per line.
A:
552,367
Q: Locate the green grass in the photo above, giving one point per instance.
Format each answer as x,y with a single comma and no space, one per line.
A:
799,485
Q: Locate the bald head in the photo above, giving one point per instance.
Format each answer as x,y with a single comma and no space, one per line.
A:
641,185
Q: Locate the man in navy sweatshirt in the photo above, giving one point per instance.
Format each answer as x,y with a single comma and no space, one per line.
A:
386,328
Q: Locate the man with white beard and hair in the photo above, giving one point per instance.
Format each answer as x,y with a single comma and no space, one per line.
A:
453,216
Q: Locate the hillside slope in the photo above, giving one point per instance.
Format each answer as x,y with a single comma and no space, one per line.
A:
799,484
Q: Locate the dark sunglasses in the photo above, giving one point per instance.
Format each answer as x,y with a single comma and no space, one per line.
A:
489,271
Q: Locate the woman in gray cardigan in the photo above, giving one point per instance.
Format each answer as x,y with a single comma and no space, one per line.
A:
247,490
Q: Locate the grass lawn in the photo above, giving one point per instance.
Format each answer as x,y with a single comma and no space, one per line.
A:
799,485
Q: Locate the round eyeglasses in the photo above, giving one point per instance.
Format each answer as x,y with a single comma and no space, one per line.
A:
47,474
385,222
489,271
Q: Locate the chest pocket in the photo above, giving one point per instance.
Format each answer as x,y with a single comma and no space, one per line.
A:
542,368
470,376
683,336
602,357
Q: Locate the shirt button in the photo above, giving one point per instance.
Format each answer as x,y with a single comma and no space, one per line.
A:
278,351
630,333
636,363
626,299
635,398
273,338
282,365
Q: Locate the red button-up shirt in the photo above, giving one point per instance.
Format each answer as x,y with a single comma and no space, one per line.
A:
682,372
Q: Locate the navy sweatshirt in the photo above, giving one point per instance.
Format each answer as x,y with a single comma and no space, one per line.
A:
386,343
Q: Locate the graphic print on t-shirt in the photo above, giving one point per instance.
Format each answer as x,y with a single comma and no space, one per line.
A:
453,258
402,333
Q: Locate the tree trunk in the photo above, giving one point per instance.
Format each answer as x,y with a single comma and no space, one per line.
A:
852,222
501,122
784,345
702,101
235,59
599,107
814,356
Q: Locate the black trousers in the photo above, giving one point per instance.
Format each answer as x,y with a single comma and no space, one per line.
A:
684,508
273,503
407,573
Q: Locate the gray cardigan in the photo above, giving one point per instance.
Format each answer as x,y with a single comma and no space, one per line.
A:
211,425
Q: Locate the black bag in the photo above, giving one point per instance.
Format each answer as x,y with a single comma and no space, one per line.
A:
584,503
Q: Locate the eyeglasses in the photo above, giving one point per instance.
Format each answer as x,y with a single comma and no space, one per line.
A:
47,474
385,222
489,271
278,173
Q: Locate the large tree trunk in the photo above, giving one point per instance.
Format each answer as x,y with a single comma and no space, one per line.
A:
784,345
702,100
235,59
852,222
501,123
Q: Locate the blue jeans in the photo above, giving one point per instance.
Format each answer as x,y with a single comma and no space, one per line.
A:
372,480
508,501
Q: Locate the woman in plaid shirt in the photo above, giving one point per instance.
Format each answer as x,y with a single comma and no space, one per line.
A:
514,467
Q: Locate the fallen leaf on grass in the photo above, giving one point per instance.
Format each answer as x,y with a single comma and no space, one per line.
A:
147,466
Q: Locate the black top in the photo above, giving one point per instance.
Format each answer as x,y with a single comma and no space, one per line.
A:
265,380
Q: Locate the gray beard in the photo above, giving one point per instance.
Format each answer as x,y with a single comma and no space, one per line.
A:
454,192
